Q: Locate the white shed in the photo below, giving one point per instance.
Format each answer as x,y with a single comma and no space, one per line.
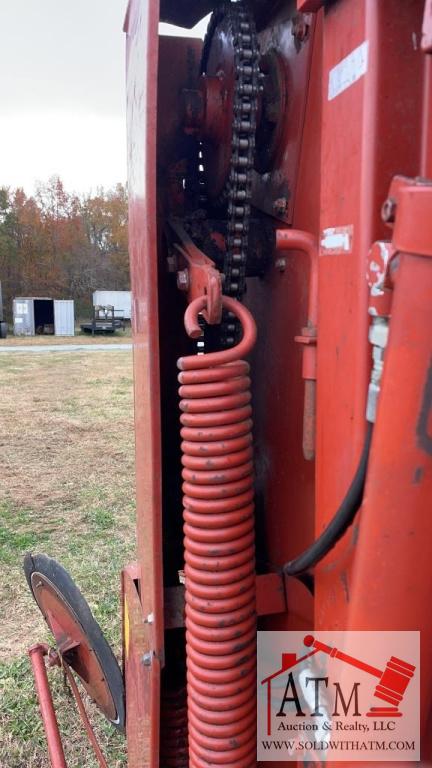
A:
34,315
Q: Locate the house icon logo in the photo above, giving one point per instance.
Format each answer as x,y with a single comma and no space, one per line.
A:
322,687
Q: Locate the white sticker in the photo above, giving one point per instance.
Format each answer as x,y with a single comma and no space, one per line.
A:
18,320
337,239
21,308
348,71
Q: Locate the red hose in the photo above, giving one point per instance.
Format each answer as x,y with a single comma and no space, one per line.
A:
219,549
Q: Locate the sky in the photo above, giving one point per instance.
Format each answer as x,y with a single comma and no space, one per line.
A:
62,95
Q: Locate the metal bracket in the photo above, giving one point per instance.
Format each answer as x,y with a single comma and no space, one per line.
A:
270,599
410,206
298,240
199,277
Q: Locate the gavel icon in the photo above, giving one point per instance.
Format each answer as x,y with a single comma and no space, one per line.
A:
393,680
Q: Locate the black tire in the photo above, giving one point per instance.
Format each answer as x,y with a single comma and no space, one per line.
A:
63,583
3,330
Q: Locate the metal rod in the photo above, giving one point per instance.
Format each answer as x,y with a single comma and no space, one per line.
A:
55,747
84,717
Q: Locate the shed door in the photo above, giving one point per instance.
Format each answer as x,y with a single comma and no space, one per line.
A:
64,320
23,317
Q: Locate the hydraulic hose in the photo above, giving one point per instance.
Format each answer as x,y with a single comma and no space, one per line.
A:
341,521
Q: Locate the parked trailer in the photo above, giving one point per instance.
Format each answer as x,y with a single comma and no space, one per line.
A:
120,300
43,316
291,155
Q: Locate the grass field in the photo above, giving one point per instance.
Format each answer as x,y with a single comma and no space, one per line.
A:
80,338
67,489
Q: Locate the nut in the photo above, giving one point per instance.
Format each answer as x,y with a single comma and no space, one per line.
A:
300,28
280,206
183,280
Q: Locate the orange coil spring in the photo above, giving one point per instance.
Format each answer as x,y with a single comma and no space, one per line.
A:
173,736
219,549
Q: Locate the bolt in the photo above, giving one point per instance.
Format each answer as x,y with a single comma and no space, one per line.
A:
172,263
388,210
147,659
183,280
280,264
300,28
280,206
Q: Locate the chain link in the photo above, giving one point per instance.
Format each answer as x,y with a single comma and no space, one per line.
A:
238,190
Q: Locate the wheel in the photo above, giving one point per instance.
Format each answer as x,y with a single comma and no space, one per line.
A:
78,636
3,330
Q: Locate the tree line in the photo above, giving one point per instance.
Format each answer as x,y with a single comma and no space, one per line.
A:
60,245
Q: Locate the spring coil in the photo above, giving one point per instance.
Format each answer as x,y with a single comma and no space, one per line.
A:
173,735
218,515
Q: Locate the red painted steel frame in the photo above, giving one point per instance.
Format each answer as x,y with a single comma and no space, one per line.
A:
392,577
346,149
37,655
141,29
371,130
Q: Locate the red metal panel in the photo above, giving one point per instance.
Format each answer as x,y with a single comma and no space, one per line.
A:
274,192
370,131
285,481
392,579
142,56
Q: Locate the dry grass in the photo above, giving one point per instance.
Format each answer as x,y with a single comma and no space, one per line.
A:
118,337
67,489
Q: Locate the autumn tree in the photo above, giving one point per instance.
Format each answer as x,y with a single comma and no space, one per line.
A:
57,244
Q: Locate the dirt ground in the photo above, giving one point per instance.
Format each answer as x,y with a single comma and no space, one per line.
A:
67,489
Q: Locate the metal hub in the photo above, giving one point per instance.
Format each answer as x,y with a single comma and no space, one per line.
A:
79,639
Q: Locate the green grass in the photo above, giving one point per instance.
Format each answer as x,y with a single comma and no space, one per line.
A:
69,492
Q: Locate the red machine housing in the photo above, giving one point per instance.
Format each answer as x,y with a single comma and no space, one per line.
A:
351,136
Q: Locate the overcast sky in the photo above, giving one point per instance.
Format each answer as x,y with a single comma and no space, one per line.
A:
62,95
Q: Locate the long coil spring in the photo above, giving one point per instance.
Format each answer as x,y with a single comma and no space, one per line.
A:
173,737
220,590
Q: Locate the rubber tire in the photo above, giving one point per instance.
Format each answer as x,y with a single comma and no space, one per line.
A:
64,584
3,329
